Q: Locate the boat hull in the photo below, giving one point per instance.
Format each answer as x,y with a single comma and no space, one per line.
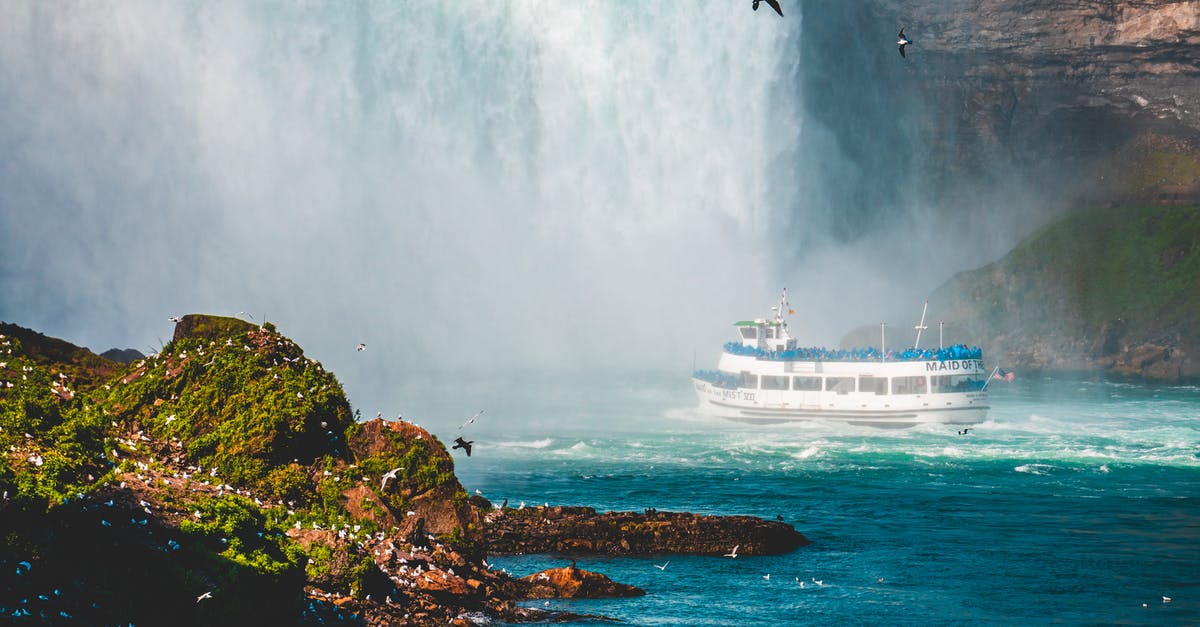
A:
751,407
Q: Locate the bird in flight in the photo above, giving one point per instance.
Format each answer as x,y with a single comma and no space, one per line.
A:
174,318
774,5
662,566
206,595
391,474
902,41
470,420
964,431
465,445
732,553
360,347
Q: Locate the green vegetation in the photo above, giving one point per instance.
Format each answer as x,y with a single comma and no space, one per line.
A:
247,405
1137,264
229,403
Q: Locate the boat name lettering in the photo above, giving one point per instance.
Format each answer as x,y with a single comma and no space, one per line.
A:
957,364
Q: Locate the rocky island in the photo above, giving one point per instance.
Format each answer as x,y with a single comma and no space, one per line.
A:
225,479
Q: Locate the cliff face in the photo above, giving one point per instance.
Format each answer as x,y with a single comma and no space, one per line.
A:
1020,105
1115,290
1008,75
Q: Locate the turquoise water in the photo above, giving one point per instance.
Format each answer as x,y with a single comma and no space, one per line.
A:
1076,502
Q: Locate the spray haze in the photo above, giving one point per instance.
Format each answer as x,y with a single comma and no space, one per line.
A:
465,186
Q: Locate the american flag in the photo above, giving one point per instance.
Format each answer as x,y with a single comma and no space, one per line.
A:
1004,375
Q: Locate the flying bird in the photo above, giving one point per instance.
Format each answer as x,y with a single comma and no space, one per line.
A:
391,474
206,595
902,41
774,5
964,431
471,420
732,553
465,445
174,318
662,566
360,347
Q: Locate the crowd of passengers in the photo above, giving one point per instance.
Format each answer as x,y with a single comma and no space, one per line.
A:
958,351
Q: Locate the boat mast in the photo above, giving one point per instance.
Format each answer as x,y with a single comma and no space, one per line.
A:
921,325
882,342
940,342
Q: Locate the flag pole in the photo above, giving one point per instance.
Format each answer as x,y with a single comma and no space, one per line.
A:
989,379
921,325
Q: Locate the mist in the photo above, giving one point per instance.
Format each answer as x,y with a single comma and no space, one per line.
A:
469,187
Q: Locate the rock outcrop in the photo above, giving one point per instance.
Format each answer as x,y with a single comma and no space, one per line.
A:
583,531
574,583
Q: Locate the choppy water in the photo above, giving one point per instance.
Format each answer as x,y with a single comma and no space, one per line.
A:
1075,502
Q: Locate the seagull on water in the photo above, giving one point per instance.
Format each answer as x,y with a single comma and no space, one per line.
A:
664,566
767,577
732,553
773,3
902,41
1166,599
964,431
819,582
799,582
391,474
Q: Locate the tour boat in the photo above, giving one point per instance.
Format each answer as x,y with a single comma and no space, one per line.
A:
764,377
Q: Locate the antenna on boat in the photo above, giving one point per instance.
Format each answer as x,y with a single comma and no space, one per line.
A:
940,342
882,342
921,325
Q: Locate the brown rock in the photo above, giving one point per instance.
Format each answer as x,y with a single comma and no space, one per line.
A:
580,530
575,583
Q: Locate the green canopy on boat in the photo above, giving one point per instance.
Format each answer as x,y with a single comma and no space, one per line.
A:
745,323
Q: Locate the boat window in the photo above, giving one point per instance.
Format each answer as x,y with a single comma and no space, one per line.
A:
749,380
807,384
749,333
957,383
877,385
908,385
774,382
841,385
770,333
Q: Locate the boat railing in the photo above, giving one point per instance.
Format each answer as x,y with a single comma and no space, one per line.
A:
945,353
718,379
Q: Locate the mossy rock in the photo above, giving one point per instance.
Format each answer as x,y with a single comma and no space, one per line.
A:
208,327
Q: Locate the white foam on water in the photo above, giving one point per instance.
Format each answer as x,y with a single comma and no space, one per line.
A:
543,443
812,451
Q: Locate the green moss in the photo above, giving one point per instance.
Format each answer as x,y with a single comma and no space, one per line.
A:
245,404
1138,264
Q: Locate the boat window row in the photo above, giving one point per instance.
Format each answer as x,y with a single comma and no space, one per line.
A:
864,384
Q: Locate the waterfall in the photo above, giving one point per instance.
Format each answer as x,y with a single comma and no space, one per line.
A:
462,183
